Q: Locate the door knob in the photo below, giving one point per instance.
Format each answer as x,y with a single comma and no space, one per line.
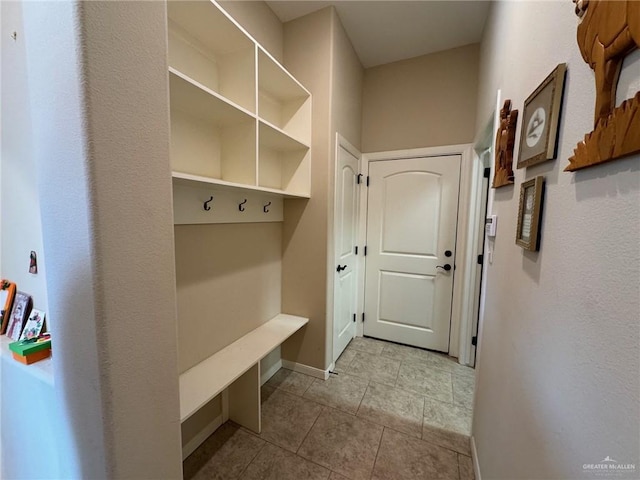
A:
446,267
342,267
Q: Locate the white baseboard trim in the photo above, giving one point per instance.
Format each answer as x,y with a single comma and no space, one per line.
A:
306,369
474,458
196,441
265,376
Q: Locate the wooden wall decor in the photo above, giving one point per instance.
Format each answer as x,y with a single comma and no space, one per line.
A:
505,140
608,32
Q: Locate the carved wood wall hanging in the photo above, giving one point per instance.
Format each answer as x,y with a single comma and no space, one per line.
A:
607,33
505,140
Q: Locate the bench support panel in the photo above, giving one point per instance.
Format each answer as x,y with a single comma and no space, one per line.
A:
244,399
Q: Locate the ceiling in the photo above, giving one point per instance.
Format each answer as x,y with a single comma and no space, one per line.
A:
387,31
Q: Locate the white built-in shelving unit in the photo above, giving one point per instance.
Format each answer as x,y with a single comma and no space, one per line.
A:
240,143
239,120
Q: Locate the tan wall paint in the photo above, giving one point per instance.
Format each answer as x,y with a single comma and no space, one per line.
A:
425,101
346,89
228,280
260,21
307,54
558,384
319,54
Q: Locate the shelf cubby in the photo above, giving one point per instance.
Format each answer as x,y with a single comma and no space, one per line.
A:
282,101
209,47
284,163
209,136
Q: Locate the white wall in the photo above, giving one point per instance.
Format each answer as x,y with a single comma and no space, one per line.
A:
99,124
558,377
20,214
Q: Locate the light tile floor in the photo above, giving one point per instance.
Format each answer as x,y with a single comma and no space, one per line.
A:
388,412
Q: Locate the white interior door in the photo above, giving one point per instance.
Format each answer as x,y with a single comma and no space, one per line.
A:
345,232
411,236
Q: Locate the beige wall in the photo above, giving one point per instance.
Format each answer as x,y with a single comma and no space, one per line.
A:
425,101
259,21
307,55
346,89
558,384
228,283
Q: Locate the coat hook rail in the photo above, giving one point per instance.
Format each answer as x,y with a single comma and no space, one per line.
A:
206,204
266,207
241,205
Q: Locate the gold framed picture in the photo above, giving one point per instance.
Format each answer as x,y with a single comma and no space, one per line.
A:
529,214
539,129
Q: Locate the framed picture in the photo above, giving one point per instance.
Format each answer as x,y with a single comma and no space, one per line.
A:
19,313
7,294
33,327
539,130
529,212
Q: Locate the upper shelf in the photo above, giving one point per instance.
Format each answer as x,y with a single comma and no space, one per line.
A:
210,48
208,25
191,97
189,179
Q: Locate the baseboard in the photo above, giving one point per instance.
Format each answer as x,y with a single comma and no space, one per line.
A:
271,371
474,458
306,369
205,433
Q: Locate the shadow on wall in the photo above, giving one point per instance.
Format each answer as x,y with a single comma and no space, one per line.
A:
610,183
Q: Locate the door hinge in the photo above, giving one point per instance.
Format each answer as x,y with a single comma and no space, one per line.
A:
365,250
486,173
359,178
354,317
480,259
356,249
474,341
362,317
367,180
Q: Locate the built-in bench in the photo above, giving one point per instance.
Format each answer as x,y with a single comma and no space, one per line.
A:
236,369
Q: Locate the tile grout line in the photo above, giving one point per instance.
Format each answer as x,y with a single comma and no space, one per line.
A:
251,461
377,452
305,437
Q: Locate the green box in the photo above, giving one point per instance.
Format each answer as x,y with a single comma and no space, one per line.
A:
27,348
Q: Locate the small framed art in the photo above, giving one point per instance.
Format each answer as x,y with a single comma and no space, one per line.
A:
529,212
7,294
19,313
33,327
539,130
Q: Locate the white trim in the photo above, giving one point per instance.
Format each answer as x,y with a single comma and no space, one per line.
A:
201,436
306,369
359,267
471,288
474,458
271,371
465,151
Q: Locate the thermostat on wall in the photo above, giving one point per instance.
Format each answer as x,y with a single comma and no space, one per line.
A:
490,225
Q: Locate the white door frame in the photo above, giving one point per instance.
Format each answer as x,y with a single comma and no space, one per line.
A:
466,151
359,266
476,221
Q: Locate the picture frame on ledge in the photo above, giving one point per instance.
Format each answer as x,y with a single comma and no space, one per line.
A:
529,214
541,119
7,294
19,313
